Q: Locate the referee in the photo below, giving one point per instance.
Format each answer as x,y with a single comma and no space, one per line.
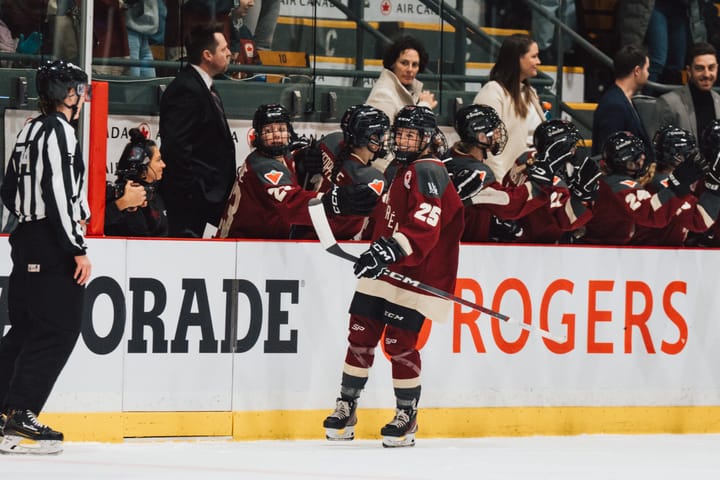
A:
45,188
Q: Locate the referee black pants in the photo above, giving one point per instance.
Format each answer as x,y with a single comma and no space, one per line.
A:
45,312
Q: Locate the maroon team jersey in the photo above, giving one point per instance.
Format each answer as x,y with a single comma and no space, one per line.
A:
623,205
265,201
341,167
423,211
507,202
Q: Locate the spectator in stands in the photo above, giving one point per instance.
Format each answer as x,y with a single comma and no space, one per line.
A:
543,31
242,43
694,106
615,111
26,20
397,86
262,20
665,27
267,199
110,36
510,94
184,15
197,144
133,207
143,21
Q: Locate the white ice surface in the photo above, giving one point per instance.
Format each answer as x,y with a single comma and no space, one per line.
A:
607,457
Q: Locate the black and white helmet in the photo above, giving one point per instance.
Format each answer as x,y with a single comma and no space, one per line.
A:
473,120
364,125
624,153
422,119
562,134
54,79
673,145
265,115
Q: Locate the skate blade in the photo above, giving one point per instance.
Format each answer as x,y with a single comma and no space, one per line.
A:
395,442
343,435
13,444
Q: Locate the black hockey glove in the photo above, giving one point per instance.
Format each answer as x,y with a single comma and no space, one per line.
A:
540,172
504,231
350,200
683,176
468,183
309,161
584,183
373,261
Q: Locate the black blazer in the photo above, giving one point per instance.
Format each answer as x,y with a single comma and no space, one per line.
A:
196,144
615,113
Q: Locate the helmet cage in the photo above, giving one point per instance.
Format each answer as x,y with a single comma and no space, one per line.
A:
473,120
624,153
554,132
365,126
266,115
673,145
416,118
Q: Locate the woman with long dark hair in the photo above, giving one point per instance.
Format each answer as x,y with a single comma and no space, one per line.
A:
510,94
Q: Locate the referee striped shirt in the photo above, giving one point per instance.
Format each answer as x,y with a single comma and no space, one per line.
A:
45,179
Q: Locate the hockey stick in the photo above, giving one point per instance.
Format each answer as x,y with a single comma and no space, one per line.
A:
327,240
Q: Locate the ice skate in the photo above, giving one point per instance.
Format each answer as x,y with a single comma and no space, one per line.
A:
340,425
23,433
400,432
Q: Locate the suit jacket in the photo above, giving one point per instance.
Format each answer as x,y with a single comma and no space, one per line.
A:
676,108
615,113
197,147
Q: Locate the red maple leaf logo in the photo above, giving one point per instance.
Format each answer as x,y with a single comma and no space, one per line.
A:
377,186
144,129
273,176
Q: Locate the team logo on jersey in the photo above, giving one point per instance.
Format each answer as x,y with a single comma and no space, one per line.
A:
665,183
407,178
377,186
629,183
433,189
273,176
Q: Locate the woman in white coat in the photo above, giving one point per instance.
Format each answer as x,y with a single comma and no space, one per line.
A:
397,86
510,94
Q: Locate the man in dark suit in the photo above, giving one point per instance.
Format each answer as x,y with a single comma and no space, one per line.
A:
196,143
615,111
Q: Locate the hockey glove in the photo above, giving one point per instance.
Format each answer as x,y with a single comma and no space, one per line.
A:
540,172
382,252
468,183
504,231
683,176
309,161
350,200
584,183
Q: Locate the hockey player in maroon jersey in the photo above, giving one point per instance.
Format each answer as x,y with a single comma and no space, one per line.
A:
624,203
416,233
267,200
481,130
571,191
672,146
347,159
